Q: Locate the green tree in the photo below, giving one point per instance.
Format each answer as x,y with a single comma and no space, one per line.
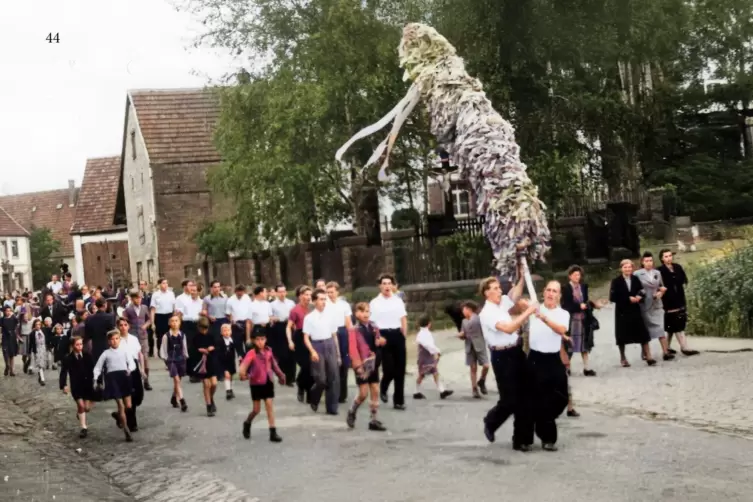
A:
42,246
331,69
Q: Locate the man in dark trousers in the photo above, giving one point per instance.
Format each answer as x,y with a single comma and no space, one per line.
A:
96,328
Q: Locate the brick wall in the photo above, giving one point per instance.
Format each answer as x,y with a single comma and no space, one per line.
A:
183,204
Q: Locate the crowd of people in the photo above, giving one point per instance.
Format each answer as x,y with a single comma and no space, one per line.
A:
103,343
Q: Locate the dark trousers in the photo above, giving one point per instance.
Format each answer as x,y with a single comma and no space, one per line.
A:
161,326
342,343
191,330
326,374
304,381
509,371
393,363
278,342
239,338
546,396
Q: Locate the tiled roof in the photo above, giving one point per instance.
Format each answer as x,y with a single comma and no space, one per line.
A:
10,227
177,124
49,209
95,211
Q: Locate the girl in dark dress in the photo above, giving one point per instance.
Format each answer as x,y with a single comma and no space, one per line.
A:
9,329
626,292
174,351
225,353
61,345
207,368
79,366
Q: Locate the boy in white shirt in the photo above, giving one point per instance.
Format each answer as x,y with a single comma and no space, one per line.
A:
428,358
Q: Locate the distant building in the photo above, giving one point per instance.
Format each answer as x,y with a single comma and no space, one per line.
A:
15,258
167,150
100,235
51,209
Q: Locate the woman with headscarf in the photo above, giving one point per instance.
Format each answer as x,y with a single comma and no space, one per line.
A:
652,308
626,292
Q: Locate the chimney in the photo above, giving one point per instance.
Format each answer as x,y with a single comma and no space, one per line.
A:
71,193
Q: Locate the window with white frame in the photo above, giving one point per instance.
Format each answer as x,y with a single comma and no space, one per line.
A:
14,249
461,201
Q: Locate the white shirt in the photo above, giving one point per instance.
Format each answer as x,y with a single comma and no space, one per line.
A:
55,286
281,309
238,308
260,312
163,303
387,312
426,340
189,307
339,310
131,346
490,315
114,360
318,325
541,337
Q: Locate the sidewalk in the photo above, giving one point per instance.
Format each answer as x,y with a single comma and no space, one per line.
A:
34,466
711,391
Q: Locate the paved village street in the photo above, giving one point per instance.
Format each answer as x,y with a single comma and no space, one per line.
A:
435,451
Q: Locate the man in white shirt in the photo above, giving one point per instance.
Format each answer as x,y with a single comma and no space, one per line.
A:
389,314
55,285
278,338
341,313
161,308
238,312
547,377
507,358
189,306
260,313
319,336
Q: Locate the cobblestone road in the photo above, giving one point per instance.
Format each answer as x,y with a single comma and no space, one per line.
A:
433,452
35,466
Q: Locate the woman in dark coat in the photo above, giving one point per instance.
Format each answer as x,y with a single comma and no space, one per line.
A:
576,302
626,292
9,336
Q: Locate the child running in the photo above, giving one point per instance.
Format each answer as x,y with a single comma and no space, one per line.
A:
38,341
27,326
117,367
428,359
49,336
475,347
226,359
207,368
174,351
365,348
61,345
257,366
79,366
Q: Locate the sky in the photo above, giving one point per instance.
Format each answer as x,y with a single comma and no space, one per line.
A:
61,103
